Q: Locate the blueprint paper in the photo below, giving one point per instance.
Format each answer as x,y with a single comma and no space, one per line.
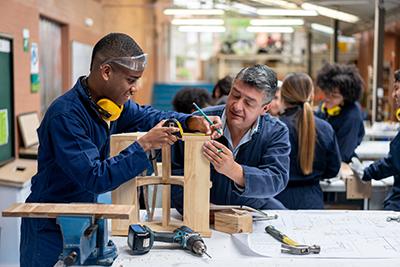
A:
340,234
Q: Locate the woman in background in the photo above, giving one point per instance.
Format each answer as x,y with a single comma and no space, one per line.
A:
275,106
342,86
315,154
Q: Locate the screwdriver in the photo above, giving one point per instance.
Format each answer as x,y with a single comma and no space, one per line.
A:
280,236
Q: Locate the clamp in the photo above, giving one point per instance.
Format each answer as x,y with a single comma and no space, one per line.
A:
300,249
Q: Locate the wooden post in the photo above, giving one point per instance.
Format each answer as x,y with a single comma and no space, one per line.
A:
127,193
166,193
196,185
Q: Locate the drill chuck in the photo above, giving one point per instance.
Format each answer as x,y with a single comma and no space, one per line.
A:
199,248
196,244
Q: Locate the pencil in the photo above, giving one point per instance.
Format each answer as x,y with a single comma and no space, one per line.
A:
206,117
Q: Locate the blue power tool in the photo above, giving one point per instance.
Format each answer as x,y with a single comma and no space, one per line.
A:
86,241
141,239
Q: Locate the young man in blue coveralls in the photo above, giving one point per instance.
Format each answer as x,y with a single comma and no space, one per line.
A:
388,166
250,162
73,160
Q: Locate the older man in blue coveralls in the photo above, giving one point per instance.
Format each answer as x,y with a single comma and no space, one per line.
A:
73,161
250,162
388,166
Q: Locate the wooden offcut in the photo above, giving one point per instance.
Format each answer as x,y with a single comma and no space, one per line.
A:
18,172
355,188
53,210
196,184
233,221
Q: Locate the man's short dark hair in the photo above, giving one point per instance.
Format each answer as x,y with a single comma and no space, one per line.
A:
224,86
345,78
260,77
115,45
397,76
184,98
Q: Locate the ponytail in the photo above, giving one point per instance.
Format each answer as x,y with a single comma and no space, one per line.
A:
307,139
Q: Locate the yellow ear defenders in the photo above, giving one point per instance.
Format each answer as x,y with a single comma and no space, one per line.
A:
334,111
398,114
108,110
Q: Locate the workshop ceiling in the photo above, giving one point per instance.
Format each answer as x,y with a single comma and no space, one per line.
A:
364,9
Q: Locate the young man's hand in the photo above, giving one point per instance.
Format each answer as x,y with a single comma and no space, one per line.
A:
200,124
357,167
158,136
222,159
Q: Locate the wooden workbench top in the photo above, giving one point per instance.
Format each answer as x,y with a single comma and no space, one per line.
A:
52,210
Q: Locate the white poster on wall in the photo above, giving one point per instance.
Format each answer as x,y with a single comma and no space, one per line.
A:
81,56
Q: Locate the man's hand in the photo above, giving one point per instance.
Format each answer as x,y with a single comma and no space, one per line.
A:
222,159
357,167
200,124
157,137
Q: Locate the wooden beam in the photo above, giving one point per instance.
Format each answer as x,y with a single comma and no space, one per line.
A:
52,210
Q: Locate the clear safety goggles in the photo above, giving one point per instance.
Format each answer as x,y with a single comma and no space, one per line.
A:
137,63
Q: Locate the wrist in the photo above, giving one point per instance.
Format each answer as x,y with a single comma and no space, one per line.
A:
236,174
143,144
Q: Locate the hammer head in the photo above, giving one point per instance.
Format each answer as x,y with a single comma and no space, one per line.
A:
300,249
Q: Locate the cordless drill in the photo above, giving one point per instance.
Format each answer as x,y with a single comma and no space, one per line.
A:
141,239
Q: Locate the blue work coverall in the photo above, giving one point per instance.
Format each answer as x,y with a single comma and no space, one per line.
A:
74,164
349,128
265,162
387,167
304,191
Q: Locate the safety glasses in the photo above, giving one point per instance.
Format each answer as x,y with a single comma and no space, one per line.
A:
137,63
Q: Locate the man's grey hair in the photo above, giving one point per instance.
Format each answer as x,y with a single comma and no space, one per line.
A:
261,78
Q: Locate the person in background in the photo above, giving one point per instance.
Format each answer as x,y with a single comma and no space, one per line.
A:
391,164
73,160
276,107
342,86
221,90
315,154
250,162
184,98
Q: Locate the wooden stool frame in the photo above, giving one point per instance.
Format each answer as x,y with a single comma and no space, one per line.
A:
196,184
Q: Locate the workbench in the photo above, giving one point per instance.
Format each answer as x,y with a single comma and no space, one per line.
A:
225,251
373,150
15,185
380,189
381,131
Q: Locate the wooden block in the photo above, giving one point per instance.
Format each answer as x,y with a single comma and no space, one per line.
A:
355,189
232,222
18,172
52,210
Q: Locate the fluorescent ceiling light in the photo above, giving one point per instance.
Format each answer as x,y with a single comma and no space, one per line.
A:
280,3
242,8
331,13
286,12
197,22
269,29
322,28
276,22
172,12
201,28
